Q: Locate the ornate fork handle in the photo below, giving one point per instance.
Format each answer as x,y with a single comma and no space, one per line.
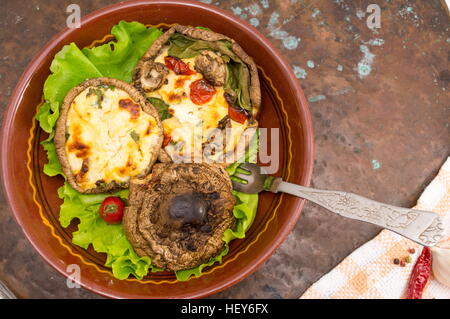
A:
425,228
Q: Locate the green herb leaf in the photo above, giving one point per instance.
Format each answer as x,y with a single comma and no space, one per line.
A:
98,92
161,106
135,136
238,80
184,47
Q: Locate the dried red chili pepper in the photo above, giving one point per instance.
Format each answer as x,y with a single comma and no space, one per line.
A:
420,275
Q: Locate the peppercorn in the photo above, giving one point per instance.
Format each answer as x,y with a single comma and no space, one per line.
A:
407,259
411,250
402,263
396,261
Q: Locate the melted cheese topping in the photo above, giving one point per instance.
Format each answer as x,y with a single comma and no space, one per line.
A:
108,137
192,125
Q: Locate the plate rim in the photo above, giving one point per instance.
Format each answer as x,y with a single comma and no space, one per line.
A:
22,84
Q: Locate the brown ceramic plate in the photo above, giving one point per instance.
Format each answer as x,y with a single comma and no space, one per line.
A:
33,197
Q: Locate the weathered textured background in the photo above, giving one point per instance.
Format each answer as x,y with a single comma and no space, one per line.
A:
379,100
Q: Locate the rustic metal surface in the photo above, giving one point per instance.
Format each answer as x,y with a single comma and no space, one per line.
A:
379,99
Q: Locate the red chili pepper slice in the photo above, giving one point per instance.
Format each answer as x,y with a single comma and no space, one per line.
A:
201,91
177,66
420,275
237,115
166,140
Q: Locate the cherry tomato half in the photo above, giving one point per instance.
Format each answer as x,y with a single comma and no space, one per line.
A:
111,210
237,115
177,66
201,91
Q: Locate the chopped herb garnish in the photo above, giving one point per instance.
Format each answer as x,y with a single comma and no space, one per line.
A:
90,92
108,86
134,136
98,92
178,146
161,106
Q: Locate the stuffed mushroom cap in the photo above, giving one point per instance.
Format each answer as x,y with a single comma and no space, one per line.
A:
211,37
107,133
208,80
177,215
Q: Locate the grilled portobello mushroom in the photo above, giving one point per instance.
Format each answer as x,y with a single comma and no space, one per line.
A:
177,215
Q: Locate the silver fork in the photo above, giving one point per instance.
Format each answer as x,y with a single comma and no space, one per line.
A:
5,293
425,228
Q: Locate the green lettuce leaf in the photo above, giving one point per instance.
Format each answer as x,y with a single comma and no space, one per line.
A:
53,166
244,211
104,237
69,68
238,80
117,59
184,47
47,116
180,46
